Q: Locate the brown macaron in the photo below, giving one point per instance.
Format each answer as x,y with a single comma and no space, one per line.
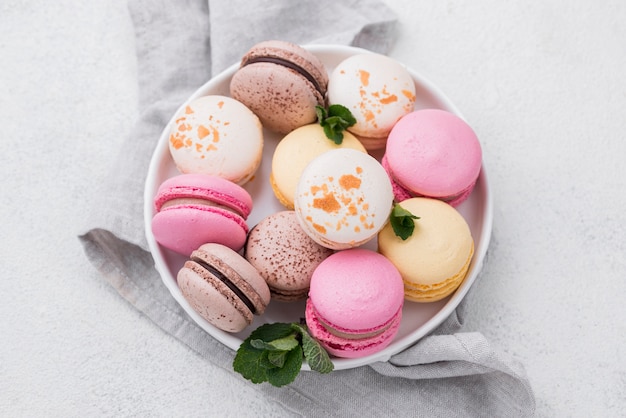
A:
222,287
281,83
284,255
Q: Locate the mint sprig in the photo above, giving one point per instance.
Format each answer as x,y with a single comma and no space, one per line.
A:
402,222
334,120
274,353
314,354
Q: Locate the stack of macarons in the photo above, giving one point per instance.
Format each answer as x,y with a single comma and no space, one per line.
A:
336,197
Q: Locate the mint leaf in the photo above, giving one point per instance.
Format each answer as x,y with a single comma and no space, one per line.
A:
321,113
314,353
250,361
287,373
277,358
402,222
343,113
274,353
334,120
279,344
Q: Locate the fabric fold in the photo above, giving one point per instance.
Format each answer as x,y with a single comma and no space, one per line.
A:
179,46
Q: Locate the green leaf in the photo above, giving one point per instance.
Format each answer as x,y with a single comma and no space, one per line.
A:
289,371
343,113
277,358
334,120
402,222
279,344
274,353
321,113
252,363
314,353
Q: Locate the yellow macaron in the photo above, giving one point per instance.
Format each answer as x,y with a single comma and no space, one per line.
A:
435,259
295,151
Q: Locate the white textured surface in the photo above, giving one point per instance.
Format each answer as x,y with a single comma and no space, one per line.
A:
542,84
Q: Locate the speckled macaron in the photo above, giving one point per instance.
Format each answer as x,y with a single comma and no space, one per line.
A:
377,89
282,83
295,151
219,136
344,197
284,255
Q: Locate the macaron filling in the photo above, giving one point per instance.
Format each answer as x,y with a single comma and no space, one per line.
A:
288,64
288,295
200,196
196,201
448,199
355,334
401,192
222,277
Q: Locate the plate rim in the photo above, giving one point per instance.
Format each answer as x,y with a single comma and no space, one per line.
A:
230,340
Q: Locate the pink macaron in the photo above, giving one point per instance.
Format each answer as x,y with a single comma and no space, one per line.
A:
355,303
193,209
432,153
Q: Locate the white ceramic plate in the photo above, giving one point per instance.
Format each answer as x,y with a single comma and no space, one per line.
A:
417,319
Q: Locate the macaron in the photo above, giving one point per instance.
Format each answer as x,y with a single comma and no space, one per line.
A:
222,287
282,83
435,259
343,198
295,151
355,303
284,255
378,90
219,136
193,209
433,153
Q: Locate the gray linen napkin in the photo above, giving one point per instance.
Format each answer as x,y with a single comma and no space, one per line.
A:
179,45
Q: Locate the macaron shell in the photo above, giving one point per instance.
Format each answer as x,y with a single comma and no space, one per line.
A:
246,277
434,153
295,151
280,96
349,348
293,53
435,259
400,193
287,202
211,188
183,228
355,303
432,293
217,135
372,143
343,198
212,298
356,291
213,302
378,91
284,255
193,209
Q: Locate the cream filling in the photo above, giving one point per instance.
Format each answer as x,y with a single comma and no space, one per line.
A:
349,336
195,201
